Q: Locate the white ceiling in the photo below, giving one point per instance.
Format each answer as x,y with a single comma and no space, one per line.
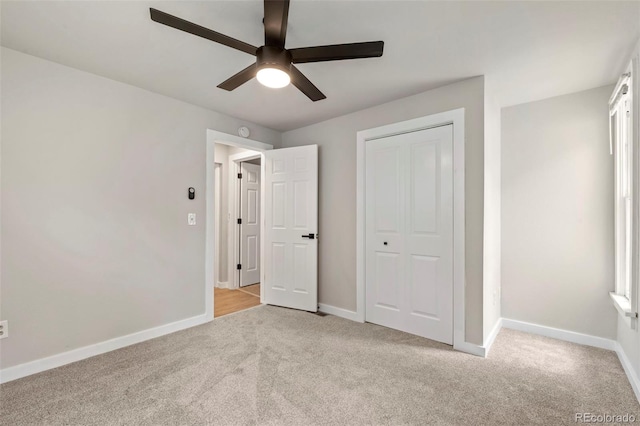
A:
531,50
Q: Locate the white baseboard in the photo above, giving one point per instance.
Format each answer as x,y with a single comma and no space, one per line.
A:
471,349
583,339
58,360
466,347
477,350
632,376
339,312
492,336
222,284
557,333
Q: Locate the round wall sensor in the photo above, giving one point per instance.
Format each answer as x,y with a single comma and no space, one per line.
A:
244,132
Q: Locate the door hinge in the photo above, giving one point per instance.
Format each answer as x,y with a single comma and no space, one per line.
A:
239,175
239,266
239,221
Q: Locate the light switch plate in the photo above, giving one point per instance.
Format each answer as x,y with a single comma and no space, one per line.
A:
191,219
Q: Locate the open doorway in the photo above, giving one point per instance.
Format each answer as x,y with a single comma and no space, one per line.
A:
288,239
238,226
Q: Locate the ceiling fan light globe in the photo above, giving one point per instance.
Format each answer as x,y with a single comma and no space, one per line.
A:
273,77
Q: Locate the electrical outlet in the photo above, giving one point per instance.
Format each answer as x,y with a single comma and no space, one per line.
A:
4,329
191,219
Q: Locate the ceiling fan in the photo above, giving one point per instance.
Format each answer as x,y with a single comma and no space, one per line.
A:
274,64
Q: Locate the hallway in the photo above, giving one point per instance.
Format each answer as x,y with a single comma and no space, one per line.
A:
228,301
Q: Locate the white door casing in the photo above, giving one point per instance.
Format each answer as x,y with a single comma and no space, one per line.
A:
218,220
291,212
250,226
409,232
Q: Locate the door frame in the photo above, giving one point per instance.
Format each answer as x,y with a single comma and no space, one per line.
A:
217,207
213,137
456,119
234,200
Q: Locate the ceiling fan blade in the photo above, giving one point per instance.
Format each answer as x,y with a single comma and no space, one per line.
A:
190,27
305,86
337,52
276,14
239,79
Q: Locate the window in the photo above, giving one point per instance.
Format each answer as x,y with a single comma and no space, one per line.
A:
620,130
622,148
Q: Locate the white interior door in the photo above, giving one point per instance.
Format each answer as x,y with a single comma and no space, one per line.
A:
250,226
291,227
409,232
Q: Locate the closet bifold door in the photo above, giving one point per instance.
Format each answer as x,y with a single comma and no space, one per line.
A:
409,232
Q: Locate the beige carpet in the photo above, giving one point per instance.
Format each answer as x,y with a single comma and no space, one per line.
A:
276,366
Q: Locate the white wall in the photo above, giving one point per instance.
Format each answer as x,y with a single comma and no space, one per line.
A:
628,338
1,312
222,156
492,209
557,213
94,180
336,139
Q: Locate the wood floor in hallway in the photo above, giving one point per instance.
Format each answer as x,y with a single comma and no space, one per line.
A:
227,301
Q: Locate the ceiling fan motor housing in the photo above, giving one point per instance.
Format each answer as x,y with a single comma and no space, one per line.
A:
273,57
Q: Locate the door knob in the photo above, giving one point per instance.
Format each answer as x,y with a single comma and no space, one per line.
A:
310,236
